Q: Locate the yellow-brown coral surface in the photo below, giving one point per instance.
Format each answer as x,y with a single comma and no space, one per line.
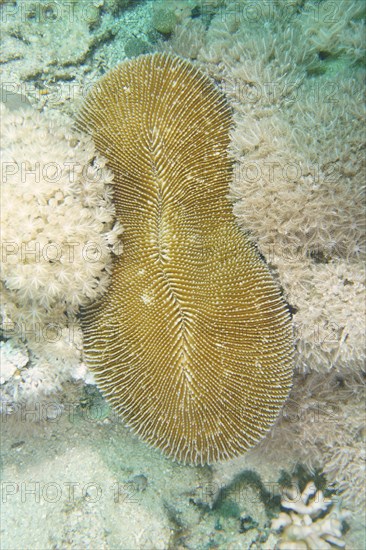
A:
192,343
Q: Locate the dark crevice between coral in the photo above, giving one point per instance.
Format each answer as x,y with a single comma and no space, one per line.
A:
319,256
301,476
324,55
179,530
247,478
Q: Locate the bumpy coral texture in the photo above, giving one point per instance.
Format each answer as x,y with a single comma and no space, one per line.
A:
52,38
58,233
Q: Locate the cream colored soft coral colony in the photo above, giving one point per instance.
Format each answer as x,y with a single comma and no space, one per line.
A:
58,232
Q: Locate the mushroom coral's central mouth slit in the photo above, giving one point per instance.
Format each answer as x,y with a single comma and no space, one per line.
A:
176,315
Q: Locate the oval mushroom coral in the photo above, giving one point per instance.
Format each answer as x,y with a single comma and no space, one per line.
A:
192,343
